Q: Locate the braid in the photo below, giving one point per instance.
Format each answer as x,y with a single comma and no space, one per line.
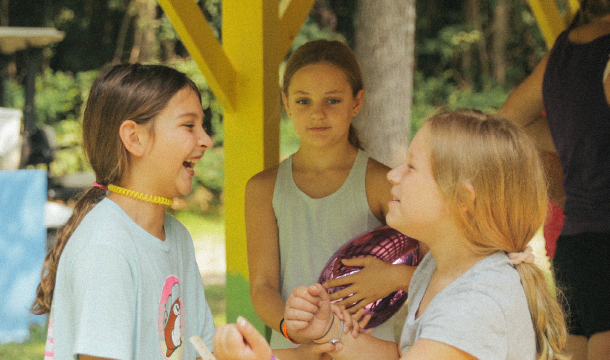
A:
44,292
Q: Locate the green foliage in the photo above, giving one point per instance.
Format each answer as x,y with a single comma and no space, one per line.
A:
312,31
440,81
443,38
452,41
60,101
209,170
432,94
57,97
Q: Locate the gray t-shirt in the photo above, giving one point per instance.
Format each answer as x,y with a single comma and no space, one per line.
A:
122,293
484,312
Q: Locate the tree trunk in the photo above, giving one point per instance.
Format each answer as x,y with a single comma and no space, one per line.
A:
385,45
500,38
144,47
4,12
472,15
122,35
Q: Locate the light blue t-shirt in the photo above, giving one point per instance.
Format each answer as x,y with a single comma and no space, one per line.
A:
122,293
484,312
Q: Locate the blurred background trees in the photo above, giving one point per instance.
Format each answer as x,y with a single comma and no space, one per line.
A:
468,53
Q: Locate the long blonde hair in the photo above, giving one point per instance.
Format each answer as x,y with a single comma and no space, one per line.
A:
502,164
130,91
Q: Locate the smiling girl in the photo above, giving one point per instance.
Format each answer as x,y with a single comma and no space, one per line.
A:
121,281
473,189
300,212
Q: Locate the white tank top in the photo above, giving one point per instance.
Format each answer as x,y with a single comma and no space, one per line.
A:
311,230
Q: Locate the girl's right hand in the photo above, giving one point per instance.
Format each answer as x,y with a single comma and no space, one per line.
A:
240,341
308,314
354,323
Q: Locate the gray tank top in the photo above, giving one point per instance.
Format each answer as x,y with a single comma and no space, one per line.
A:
311,230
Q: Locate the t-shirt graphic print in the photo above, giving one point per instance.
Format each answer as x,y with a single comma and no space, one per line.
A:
171,320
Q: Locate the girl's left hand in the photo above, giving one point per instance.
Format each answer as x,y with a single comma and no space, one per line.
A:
376,280
354,323
240,341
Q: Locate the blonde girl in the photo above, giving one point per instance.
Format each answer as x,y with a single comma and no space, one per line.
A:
300,212
121,281
473,189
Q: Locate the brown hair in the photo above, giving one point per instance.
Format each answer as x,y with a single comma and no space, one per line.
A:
128,91
502,164
335,53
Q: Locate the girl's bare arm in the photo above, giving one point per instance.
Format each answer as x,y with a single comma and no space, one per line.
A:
263,249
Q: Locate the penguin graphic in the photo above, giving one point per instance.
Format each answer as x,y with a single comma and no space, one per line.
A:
173,339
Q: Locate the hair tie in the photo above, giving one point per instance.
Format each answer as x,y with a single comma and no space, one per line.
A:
100,186
522,257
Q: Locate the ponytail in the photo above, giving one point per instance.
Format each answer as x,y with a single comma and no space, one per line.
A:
501,163
126,91
547,315
44,292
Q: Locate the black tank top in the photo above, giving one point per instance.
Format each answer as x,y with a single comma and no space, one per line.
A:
579,119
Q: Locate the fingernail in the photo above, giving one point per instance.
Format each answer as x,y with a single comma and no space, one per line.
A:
241,321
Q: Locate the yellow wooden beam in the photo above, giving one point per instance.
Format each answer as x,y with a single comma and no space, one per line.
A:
293,14
549,19
573,7
251,132
203,46
243,73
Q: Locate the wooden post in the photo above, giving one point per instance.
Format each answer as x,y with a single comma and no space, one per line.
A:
243,74
251,142
549,20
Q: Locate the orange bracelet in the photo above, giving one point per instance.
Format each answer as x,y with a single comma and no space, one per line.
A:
285,333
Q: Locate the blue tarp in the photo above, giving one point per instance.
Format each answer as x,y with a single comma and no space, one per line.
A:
23,194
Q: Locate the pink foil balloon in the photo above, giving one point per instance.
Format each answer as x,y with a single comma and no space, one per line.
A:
384,243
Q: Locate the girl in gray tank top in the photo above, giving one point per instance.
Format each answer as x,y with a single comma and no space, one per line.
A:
300,212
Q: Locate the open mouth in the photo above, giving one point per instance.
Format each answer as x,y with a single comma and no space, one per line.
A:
189,164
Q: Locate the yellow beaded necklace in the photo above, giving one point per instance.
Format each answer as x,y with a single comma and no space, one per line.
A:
136,195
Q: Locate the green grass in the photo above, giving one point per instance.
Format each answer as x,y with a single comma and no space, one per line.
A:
215,296
29,350
201,225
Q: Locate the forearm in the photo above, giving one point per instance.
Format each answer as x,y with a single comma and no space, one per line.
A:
366,347
525,104
293,354
402,275
269,305
362,347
